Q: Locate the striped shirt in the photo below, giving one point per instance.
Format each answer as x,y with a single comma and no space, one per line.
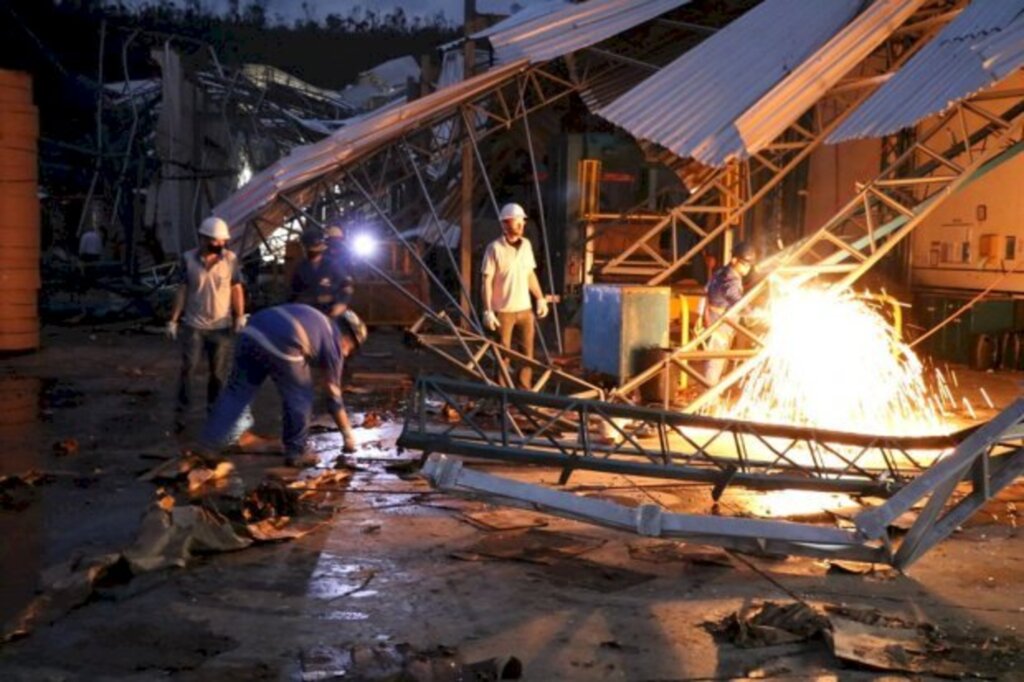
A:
295,332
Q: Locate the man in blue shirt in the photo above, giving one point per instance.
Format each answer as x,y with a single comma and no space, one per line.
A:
284,343
724,289
322,280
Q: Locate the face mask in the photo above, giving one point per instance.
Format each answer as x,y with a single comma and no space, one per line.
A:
215,249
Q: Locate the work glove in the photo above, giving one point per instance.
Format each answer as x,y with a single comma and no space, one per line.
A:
239,323
542,308
172,330
349,442
491,320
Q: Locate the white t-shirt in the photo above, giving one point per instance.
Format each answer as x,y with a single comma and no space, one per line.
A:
511,267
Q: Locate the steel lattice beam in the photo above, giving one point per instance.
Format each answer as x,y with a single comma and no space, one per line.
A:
575,432
985,461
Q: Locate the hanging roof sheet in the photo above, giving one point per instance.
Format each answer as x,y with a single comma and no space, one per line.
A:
949,68
688,103
574,27
764,122
296,172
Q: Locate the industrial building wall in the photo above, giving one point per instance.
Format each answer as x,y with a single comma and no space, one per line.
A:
832,175
977,234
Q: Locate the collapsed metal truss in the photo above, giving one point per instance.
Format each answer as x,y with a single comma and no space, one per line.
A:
578,433
485,359
984,131
527,428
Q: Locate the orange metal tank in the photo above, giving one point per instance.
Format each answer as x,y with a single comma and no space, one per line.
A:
19,214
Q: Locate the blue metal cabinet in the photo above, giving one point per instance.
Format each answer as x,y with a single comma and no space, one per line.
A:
620,321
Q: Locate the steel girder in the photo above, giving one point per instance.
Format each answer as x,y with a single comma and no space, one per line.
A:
573,432
984,461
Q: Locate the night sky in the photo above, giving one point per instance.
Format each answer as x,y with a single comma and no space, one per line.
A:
292,9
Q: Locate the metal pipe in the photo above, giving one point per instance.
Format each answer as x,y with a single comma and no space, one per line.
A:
463,288
543,229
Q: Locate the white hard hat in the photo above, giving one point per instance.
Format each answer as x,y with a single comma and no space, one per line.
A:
510,211
215,228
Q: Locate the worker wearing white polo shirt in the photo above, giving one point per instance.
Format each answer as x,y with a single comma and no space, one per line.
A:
510,277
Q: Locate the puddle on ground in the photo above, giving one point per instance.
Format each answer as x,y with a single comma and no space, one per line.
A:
345,615
23,531
335,577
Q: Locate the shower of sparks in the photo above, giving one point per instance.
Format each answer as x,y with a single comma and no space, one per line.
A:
832,362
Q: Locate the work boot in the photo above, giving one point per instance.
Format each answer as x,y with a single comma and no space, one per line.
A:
306,460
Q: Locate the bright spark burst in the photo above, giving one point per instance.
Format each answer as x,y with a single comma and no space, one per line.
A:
832,362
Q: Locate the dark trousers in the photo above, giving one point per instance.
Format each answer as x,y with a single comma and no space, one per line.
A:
253,365
197,344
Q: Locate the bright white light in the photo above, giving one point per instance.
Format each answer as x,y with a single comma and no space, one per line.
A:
244,175
364,245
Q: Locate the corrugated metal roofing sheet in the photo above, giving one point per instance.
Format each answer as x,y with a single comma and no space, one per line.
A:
1004,51
526,14
697,96
575,27
764,122
946,70
310,162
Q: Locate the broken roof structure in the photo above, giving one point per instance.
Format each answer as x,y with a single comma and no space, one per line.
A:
745,99
978,48
561,32
554,35
686,105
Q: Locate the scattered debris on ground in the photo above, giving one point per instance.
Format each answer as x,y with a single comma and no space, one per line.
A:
532,546
869,639
66,447
770,624
383,662
198,510
18,490
669,552
492,520
67,586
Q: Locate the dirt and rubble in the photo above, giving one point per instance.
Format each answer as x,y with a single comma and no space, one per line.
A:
157,567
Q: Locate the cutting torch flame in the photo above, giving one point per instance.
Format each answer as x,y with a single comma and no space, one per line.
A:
832,362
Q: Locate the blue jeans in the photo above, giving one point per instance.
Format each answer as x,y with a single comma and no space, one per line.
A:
253,364
196,344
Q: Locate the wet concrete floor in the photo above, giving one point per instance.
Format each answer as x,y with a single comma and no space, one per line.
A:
395,564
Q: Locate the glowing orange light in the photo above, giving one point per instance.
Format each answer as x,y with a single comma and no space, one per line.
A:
832,362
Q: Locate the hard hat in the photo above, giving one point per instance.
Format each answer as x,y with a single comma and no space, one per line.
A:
744,251
313,238
510,211
350,324
215,228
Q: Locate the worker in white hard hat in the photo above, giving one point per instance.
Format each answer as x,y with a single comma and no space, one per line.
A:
509,279
209,306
